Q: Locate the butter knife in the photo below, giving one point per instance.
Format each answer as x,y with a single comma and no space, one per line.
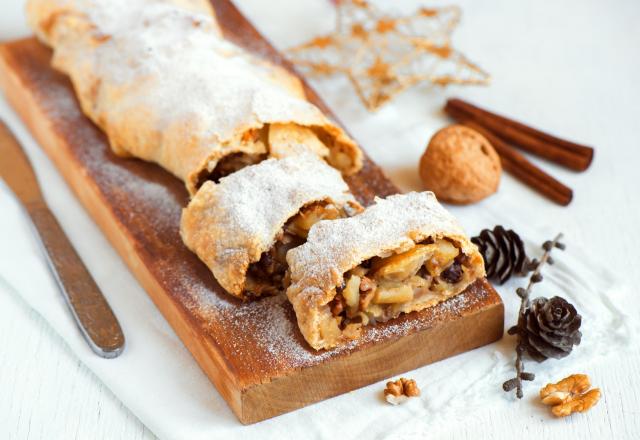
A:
89,307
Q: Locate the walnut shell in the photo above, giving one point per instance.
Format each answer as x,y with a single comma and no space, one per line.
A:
460,166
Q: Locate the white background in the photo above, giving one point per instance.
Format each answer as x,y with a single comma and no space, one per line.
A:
570,67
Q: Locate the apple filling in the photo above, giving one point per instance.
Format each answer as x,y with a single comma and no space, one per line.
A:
268,276
382,288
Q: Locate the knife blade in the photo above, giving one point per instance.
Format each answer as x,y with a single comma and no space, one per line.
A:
90,309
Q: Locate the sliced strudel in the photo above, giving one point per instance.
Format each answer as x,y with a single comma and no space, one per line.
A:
157,77
243,226
402,254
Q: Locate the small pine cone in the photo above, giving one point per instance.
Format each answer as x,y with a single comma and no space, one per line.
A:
503,253
550,328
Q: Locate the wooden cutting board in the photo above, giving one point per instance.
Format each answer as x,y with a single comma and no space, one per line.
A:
253,353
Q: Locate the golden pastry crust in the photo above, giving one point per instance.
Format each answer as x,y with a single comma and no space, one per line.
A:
165,87
230,224
391,226
460,166
55,21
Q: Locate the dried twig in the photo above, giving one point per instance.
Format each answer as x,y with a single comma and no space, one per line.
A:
524,294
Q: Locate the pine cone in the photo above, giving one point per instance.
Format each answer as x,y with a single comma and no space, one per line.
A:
550,328
503,253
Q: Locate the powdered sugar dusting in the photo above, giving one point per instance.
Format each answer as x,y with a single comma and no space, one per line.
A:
392,223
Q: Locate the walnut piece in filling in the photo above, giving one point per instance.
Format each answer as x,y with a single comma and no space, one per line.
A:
381,288
268,276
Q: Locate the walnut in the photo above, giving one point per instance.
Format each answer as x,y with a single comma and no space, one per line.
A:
337,305
394,388
400,390
581,403
410,387
557,393
460,166
570,395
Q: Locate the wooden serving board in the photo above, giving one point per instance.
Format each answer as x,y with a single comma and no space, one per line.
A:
252,352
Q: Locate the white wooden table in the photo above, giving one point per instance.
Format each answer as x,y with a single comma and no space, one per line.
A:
574,70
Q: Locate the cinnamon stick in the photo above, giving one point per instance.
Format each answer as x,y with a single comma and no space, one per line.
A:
519,166
569,154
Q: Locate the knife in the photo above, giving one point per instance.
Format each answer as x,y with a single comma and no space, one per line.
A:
89,307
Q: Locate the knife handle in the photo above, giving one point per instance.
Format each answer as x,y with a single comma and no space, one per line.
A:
89,307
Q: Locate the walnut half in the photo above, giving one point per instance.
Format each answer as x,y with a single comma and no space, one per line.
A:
570,395
400,390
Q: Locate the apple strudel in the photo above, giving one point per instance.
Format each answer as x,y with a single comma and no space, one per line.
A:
402,254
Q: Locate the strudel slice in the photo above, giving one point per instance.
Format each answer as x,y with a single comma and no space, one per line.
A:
158,78
402,254
243,226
